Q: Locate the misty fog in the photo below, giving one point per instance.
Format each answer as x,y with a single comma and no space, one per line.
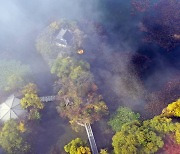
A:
127,70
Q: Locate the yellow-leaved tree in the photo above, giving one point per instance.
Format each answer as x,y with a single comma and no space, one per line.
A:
77,146
172,110
31,101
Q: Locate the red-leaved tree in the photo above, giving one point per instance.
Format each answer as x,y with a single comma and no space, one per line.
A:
170,146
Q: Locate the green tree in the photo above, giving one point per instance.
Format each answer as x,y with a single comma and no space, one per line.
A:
13,75
160,124
31,101
68,67
79,100
44,42
12,140
123,115
177,135
77,146
134,138
164,126
145,137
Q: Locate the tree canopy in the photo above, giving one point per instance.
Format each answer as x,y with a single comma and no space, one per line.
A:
84,109
31,101
65,67
134,138
163,126
172,109
77,146
13,75
145,137
104,151
123,115
12,140
78,93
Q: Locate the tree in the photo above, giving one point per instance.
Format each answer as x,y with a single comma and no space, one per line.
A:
104,151
12,140
83,109
44,42
77,146
31,101
163,126
145,137
13,75
73,73
21,127
79,100
68,67
123,115
134,138
172,109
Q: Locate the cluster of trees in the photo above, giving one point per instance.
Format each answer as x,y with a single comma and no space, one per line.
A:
160,20
134,136
13,138
159,134
77,91
46,41
80,101
14,75
14,133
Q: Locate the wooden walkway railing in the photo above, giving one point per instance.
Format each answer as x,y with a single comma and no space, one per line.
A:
48,98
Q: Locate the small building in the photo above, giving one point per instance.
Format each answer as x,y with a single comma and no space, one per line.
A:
64,38
11,109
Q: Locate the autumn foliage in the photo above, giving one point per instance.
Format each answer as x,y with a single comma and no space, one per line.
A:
77,146
172,109
79,100
31,101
